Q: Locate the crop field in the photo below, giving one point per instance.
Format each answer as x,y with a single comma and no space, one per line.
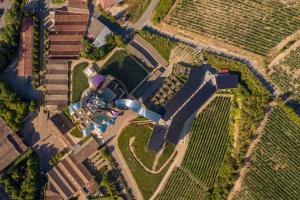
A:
208,142
275,164
287,74
209,139
257,26
186,187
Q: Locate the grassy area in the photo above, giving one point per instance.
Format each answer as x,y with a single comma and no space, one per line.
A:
58,1
125,68
79,81
167,153
161,44
146,182
140,147
67,113
162,10
136,8
76,133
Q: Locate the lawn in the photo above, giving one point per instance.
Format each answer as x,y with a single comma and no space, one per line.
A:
125,68
167,153
79,81
163,45
58,1
76,133
146,181
161,10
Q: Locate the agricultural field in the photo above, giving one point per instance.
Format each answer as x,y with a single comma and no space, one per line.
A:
125,68
287,74
256,26
182,185
274,169
209,142
79,81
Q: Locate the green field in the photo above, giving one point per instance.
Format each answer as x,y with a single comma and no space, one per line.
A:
79,81
125,68
147,182
257,26
274,170
209,141
161,44
285,75
162,10
182,186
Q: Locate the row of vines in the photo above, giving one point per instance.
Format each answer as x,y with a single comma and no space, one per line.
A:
275,164
257,26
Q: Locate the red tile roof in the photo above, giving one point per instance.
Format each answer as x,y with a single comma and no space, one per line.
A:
26,48
105,4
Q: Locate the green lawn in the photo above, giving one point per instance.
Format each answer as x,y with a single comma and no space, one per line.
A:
146,182
162,10
79,81
140,147
125,68
161,44
58,1
76,133
167,153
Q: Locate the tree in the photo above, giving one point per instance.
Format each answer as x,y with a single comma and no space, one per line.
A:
32,105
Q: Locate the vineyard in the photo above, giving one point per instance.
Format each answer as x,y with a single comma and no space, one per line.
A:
257,26
209,141
287,74
275,163
186,187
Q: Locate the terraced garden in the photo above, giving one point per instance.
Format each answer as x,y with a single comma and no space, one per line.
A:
171,86
287,74
257,26
209,141
275,163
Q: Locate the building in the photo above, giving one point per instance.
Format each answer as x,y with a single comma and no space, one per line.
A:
183,107
96,110
106,4
98,32
57,84
25,61
11,146
69,178
60,125
66,35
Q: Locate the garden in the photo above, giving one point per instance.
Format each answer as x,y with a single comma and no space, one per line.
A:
125,68
79,81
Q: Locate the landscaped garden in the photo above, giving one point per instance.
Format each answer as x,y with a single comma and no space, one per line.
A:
125,68
79,81
147,157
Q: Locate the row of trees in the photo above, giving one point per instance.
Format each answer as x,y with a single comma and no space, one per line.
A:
10,34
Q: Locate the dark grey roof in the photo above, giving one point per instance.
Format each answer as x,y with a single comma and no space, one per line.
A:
157,138
227,81
189,109
193,83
